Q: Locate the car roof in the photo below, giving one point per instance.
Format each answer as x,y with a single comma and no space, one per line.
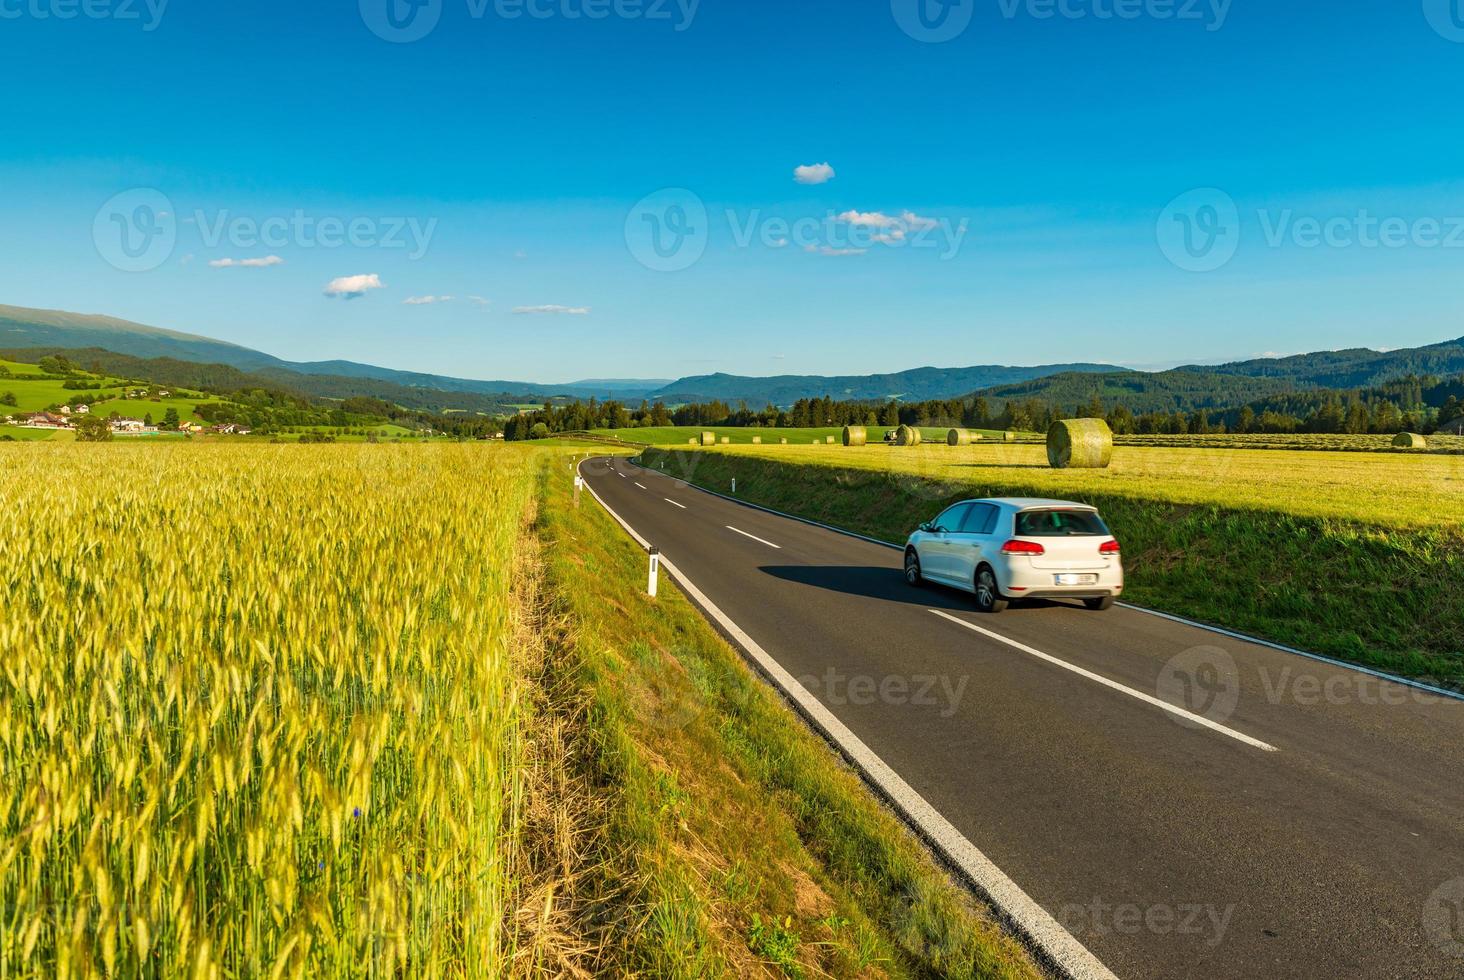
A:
1029,503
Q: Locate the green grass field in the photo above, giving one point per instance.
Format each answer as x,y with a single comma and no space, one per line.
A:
738,436
1357,555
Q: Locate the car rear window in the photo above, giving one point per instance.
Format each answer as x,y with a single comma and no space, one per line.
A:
1060,524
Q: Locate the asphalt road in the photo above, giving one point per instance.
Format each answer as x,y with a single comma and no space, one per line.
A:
1312,825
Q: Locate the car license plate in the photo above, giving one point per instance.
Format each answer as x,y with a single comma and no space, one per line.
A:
1077,579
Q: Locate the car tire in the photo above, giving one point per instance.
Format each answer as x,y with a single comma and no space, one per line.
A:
1102,604
913,578
988,594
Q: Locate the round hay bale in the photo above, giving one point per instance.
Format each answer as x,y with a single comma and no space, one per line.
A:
959,437
726,441
828,440
1085,444
691,442
855,435
1010,435
907,435
757,440
783,441
1410,440
708,438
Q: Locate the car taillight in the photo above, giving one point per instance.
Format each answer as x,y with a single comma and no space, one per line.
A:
1023,548
1108,548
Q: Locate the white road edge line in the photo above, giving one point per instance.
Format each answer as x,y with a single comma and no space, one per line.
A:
754,537
1026,916
1100,679
1442,692
673,503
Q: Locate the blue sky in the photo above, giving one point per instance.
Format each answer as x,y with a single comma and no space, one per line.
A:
541,150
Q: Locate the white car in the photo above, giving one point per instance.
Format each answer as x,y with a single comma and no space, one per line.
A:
1018,548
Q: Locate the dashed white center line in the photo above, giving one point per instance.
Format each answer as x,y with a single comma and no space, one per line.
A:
673,503
641,485
1147,698
754,537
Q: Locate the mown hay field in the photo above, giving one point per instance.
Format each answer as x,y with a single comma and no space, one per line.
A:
257,709
1392,489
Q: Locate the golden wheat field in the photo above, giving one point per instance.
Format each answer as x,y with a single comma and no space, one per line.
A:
257,715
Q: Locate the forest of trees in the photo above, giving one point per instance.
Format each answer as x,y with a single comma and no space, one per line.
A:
1409,404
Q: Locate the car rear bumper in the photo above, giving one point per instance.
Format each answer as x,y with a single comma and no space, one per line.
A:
1033,583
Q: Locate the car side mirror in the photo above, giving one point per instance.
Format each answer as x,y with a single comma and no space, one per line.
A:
925,527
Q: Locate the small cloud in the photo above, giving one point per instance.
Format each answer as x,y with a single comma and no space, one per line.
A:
553,310
780,357
829,250
779,243
902,222
520,254
814,173
263,263
353,287
425,300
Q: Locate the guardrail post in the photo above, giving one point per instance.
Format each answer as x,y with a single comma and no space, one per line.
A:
655,570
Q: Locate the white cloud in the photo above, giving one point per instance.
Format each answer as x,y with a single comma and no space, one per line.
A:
829,250
564,310
425,300
353,287
814,173
479,301
263,263
904,221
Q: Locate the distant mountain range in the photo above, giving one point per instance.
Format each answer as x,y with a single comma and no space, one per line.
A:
1194,386
919,384
21,327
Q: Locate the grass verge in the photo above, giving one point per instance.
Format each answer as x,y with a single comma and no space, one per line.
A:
732,841
1373,594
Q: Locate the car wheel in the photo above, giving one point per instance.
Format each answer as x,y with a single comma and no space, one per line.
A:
912,569
1099,605
988,596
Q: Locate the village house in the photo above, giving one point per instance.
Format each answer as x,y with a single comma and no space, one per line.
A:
127,425
45,420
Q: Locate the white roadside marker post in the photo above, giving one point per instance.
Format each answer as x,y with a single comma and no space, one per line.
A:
655,569
734,486
579,484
